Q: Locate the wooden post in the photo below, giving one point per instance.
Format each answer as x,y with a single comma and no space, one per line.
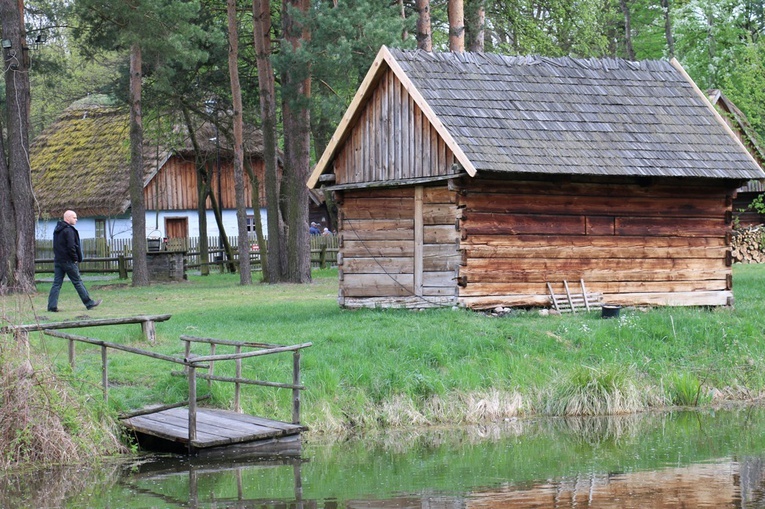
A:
186,353
192,406
296,392
104,374
71,354
323,255
212,366
237,385
418,240
122,266
149,330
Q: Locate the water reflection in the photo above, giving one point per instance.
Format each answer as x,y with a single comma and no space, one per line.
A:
676,460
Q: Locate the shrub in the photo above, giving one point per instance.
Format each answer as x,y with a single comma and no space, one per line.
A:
42,421
594,391
685,389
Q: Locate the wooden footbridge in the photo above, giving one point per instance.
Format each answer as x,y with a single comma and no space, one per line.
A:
186,424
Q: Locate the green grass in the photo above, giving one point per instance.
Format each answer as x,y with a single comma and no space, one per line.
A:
371,368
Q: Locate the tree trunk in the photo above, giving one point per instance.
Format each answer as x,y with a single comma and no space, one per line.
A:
627,29
668,28
7,223
475,24
138,208
225,244
245,274
274,270
711,46
424,39
402,9
18,233
255,191
203,189
296,95
456,11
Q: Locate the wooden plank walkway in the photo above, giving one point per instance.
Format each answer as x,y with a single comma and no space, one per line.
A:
214,427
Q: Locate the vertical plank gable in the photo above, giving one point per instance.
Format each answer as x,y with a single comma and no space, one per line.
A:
392,140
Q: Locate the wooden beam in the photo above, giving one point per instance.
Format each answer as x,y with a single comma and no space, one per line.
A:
418,240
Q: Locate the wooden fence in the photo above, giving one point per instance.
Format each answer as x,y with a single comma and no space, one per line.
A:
116,255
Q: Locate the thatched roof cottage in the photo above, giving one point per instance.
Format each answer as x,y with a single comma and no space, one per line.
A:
82,162
483,180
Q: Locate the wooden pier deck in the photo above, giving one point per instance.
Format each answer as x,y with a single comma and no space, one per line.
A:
214,427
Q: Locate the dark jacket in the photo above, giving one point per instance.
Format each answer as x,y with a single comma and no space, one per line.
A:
66,243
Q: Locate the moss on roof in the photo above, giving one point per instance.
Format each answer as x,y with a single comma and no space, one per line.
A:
82,161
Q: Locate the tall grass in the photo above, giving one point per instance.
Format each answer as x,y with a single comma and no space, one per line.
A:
382,368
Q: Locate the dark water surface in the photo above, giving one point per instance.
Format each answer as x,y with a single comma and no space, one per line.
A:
708,459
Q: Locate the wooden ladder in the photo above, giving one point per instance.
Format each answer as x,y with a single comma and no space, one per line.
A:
571,302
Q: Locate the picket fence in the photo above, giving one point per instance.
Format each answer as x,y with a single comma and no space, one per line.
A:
104,255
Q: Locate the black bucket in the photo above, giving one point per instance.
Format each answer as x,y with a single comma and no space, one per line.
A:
153,244
610,311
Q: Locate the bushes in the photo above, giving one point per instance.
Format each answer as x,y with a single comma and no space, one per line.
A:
41,419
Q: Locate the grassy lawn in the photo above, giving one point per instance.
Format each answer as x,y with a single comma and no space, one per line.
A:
371,368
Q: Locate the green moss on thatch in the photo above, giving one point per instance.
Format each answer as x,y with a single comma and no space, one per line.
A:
82,161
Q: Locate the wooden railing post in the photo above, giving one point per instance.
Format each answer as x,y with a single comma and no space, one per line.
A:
186,354
104,374
71,354
122,266
296,392
212,366
192,406
237,385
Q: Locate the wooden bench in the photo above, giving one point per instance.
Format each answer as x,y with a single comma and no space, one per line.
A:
147,325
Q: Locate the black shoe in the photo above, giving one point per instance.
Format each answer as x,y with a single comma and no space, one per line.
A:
52,310
96,303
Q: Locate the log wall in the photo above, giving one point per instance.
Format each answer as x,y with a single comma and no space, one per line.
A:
392,140
175,185
636,244
398,247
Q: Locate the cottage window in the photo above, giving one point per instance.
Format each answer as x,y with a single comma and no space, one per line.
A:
250,224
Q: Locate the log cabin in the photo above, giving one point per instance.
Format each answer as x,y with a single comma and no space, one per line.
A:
82,162
482,180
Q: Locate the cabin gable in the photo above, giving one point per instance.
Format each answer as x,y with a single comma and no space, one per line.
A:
393,140
174,186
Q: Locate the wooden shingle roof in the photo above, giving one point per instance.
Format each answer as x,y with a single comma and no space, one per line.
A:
607,117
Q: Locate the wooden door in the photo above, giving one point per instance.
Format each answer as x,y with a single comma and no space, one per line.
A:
176,231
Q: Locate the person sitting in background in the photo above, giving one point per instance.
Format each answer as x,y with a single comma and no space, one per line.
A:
314,229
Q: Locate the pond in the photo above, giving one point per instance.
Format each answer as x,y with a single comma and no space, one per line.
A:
699,459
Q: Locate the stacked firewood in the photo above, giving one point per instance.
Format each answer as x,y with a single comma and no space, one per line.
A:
748,244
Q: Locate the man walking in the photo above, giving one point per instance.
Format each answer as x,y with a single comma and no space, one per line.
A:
67,253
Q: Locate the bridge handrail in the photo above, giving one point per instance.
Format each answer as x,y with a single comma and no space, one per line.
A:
147,324
191,363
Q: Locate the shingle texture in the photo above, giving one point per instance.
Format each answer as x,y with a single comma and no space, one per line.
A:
570,116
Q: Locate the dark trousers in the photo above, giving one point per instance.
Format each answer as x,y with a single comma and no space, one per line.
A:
60,269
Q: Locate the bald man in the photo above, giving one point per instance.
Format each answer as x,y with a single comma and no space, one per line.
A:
67,253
